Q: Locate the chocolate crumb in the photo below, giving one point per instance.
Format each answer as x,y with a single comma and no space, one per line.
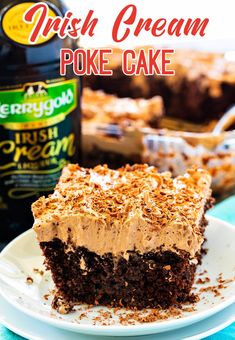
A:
46,297
29,280
61,306
203,273
38,271
202,281
212,289
82,316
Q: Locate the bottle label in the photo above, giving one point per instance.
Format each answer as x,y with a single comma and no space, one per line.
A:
38,136
17,30
37,104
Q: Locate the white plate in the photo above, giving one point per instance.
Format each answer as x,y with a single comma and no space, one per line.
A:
23,254
36,330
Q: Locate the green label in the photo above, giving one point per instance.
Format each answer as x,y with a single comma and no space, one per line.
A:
39,135
38,102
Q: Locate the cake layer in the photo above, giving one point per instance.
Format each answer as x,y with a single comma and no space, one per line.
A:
148,280
134,208
101,108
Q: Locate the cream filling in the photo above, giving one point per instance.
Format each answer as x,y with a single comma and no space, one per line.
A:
133,234
172,223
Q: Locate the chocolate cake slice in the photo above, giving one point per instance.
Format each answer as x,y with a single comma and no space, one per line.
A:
130,237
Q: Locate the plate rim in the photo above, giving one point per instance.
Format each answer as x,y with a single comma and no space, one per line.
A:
211,331
106,330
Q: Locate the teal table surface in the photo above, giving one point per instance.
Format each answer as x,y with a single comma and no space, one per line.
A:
225,211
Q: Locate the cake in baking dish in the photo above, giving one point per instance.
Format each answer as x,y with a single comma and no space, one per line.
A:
202,89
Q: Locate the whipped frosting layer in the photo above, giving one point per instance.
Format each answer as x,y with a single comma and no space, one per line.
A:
133,208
